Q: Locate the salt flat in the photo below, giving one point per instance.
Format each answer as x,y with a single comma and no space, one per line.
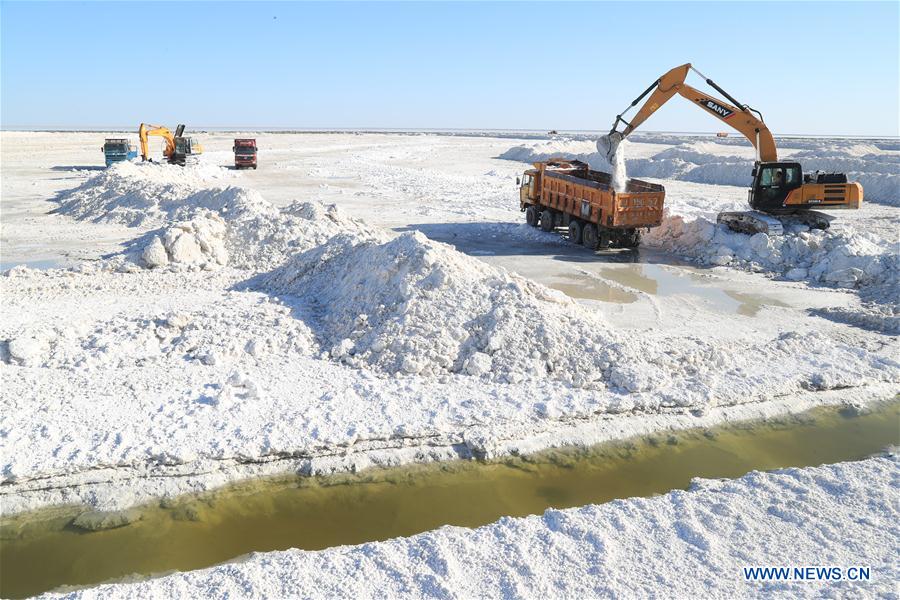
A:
212,324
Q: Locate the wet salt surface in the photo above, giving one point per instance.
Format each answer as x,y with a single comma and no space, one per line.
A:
315,513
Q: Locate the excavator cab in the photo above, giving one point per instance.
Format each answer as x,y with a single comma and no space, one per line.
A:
772,183
186,151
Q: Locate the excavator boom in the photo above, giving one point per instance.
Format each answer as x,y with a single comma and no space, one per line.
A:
779,187
739,116
145,131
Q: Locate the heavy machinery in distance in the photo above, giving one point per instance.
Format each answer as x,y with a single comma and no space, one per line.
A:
179,150
244,153
117,150
780,190
567,193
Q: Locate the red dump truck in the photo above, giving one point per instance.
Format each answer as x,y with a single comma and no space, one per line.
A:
244,153
567,193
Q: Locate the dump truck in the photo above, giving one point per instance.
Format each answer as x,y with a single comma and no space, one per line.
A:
118,150
567,193
244,153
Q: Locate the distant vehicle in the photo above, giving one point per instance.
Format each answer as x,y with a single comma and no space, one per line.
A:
722,134
553,132
118,150
180,150
245,153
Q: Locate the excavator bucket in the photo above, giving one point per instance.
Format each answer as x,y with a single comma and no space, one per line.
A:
179,131
608,145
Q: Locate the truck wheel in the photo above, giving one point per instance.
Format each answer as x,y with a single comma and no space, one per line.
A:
589,237
548,220
575,230
531,216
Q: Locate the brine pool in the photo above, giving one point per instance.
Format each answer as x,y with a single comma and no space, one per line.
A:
56,547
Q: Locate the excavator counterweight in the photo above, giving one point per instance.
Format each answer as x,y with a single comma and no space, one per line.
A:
780,191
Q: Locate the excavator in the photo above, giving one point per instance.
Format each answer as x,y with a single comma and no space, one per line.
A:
179,150
780,192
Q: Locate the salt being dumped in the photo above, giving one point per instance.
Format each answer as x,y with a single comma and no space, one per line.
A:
612,147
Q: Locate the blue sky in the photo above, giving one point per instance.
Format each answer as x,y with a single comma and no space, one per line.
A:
817,68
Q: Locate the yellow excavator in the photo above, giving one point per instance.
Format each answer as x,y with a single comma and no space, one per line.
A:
780,190
179,150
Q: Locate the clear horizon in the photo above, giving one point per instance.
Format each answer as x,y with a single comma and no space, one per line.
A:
416,66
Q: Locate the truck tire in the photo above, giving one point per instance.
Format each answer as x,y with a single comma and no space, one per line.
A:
531,216
576,228
589,237
548,220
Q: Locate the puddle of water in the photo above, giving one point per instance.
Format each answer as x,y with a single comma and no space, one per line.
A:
591,288
42,551
660,281
751,303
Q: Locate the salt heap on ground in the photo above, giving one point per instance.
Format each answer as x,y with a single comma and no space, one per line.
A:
411,305
202,223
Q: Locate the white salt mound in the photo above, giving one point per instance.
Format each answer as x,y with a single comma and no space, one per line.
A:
414,306
203,224
844,259
200,241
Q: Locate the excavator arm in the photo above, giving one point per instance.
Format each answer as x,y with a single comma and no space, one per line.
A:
739,116
145,131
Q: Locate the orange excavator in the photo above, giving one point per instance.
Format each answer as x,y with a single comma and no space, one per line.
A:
781,192
179,150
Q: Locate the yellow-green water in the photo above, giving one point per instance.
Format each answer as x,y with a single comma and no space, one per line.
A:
44,550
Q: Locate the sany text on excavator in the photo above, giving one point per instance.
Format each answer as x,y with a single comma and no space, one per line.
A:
179,150
781,191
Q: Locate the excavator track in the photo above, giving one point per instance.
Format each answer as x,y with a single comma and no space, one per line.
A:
751,222
811,218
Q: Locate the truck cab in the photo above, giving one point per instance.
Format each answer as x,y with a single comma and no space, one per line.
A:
245,153
118,150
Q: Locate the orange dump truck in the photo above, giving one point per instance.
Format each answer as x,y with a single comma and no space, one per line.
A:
567,193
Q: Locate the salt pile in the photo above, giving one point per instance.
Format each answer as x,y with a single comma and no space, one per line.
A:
411,305
146,194
200,241
202,225
844,259
234,329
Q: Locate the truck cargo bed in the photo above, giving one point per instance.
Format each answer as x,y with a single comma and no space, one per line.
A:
568,193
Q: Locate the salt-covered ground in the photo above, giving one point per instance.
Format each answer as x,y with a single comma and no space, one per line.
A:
694,543
375,299
245,326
